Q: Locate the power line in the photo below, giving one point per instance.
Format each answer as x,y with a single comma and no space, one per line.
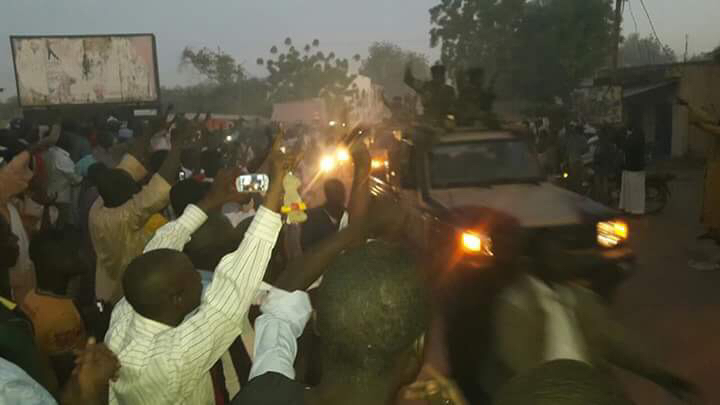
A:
642,2
632,14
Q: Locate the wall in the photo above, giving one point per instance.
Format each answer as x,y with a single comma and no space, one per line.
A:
700,86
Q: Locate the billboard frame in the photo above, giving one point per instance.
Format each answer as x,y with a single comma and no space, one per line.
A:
157,102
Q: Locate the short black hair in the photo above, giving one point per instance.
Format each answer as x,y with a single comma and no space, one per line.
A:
335,191
105,139
371,306
211,162
147,276
562,382
211,242
55,255
186,192
157,159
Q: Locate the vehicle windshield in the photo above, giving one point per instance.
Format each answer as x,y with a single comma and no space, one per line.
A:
482,163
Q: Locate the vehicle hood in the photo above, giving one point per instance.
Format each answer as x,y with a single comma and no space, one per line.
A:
533,205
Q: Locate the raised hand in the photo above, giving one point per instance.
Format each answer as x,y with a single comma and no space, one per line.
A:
224,191
186,134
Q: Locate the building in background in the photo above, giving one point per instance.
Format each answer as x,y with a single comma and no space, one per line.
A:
650,100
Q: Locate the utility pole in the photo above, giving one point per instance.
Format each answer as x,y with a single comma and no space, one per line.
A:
616,33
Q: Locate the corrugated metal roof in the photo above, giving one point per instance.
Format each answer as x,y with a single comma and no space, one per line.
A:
637,90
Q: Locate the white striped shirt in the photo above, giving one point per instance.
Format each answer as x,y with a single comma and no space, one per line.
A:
165,365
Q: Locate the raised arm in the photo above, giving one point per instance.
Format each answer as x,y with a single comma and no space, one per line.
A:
283,319
360,192
201,339
176,234
382,219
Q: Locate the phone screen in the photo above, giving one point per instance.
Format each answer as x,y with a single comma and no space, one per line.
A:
252,183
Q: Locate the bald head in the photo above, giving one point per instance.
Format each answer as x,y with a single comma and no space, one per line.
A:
162,285
562,382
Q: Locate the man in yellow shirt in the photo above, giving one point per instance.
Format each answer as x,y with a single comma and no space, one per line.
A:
118,218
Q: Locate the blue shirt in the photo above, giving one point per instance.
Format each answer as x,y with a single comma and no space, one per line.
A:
16,387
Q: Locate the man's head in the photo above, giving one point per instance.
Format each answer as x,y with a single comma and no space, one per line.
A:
106,139
55,255
157,159
116,187
334,193
212,241
162,285
372,309
189,191
9,248
438,73
210,162
562,382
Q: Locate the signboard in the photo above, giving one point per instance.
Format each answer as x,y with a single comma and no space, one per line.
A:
74,70
599,105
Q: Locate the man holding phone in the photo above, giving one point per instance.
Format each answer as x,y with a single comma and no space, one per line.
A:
166,333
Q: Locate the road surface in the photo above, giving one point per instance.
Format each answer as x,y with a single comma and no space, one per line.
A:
670,306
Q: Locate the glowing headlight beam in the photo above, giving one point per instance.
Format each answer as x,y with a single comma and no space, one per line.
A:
327,163
342,155
475,243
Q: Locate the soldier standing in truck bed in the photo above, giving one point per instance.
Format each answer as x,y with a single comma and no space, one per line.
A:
438,98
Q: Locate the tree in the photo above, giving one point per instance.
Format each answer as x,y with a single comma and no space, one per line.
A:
539,48
307,73
228,90
637,51
385,65
216,65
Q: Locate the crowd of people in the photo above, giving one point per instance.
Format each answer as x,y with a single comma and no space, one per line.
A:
134,272
593,159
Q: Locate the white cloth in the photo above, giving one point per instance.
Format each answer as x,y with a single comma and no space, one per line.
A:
163,365
61,174
17,387
283,319
563,338
632,193
236,213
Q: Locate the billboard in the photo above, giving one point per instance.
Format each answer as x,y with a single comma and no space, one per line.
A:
74,70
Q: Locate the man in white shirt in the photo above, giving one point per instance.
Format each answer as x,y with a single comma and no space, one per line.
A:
165,333
543,316
62,178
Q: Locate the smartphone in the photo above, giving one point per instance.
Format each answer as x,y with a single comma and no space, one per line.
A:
252,183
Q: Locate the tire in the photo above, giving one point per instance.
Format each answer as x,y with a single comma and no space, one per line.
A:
656,198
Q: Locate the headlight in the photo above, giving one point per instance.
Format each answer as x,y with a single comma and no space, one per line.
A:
332,123
342,155
475,243
327,163
377,163
612,233
228,138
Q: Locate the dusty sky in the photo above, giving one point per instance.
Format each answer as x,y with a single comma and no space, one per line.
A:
248,28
